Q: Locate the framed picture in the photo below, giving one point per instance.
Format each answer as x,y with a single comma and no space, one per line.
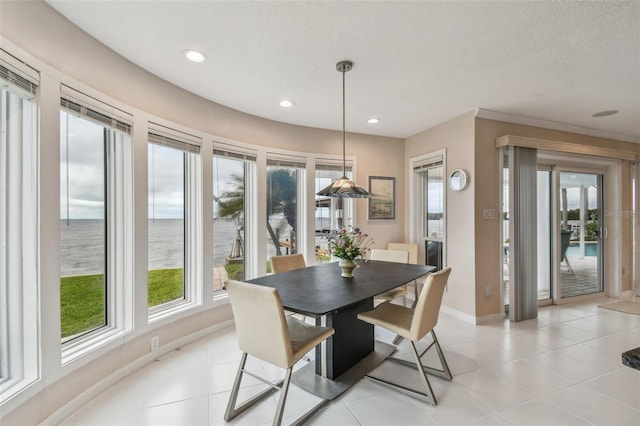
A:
382,203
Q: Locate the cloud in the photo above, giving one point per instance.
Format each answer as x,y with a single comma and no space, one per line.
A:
82,164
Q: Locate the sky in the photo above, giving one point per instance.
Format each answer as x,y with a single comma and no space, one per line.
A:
165,182
85,171
82,194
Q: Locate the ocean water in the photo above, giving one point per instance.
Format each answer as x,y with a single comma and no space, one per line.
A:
82,248
82,244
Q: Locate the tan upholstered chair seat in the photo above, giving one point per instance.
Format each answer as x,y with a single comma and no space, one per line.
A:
395,318
305,337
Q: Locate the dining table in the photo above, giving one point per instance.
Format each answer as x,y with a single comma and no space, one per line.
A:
320,292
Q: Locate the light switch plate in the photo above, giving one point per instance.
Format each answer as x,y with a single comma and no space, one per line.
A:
490,214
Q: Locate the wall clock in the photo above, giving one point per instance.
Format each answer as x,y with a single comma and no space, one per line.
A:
458,180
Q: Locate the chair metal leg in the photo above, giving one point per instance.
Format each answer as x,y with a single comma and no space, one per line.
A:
569,266
427,396
277,420
232,411
397,339
431,397
446,372
282,385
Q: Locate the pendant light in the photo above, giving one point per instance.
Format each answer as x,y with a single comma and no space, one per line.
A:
344,187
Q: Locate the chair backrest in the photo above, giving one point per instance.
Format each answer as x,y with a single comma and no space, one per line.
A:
389,255
287,263
425,315
410,247
261,326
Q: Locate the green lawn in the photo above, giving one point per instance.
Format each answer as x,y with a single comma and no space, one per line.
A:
165,285
82,305
235,271
82,298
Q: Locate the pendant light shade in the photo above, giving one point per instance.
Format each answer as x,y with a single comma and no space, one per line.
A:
344,187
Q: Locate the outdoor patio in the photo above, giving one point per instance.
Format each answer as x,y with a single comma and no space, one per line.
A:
578,280
583,280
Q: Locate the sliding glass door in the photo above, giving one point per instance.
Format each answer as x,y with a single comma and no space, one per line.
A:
579,233
544,237
567,253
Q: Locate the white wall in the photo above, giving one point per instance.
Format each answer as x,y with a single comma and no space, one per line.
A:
456,137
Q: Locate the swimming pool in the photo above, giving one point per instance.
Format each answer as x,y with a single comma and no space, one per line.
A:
590,249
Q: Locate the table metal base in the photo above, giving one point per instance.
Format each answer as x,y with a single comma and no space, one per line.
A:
307,379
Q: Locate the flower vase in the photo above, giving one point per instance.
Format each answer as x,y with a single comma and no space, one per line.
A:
347,266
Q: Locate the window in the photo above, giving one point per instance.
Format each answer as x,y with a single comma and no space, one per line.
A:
332,213
429,222
96,233
83,226
19,332
434,201
285,176
173,219
231,171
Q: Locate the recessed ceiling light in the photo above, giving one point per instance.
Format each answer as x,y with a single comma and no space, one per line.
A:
373,120
194,55
286,103
605,113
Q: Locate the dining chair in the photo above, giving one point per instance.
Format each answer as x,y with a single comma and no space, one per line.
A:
565,240
391,256
287,262
266,333
413,324
412,248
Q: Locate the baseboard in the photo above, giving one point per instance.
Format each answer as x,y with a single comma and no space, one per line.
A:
488,319
628,294
85,396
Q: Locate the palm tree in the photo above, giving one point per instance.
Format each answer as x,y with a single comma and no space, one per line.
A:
281,198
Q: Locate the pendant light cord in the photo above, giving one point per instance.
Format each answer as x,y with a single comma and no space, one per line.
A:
344,161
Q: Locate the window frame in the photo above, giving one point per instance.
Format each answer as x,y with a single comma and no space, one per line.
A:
298,164
248,158
417,190
119,218
193,219
19,302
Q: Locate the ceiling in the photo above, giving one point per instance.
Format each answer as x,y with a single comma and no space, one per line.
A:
416,64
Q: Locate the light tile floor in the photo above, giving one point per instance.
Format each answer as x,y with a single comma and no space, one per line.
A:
562,368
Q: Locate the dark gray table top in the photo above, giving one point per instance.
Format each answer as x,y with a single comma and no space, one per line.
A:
631,358
319,289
